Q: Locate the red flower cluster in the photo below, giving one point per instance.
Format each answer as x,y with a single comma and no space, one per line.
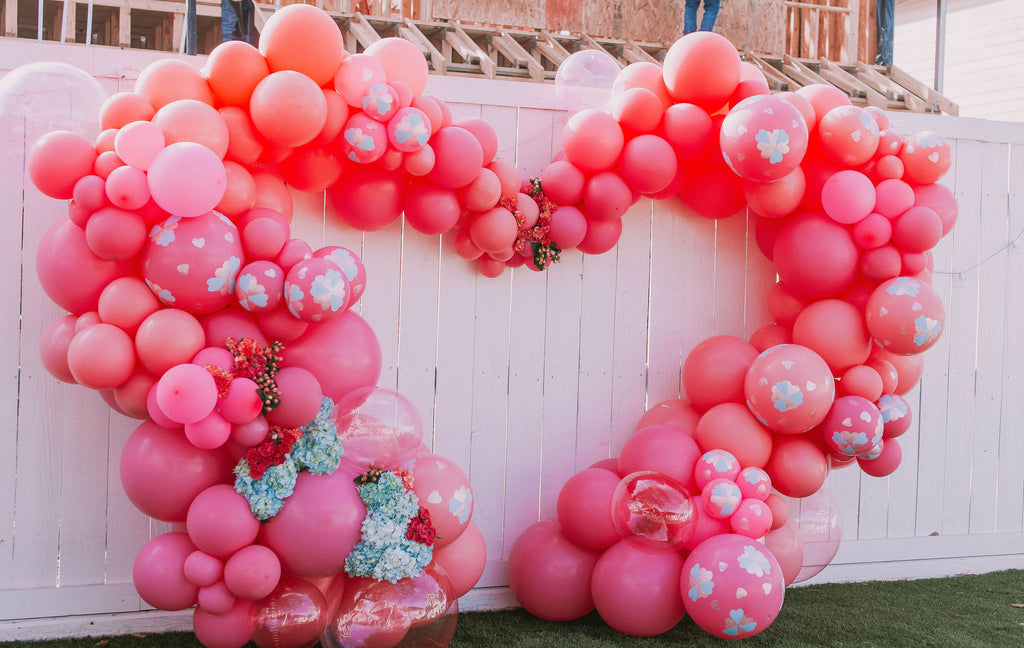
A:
406,477
272,451
545,251
260,364
222,378
420,529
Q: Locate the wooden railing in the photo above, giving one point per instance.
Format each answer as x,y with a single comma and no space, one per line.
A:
837,30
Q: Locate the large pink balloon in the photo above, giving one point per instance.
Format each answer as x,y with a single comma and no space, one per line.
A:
367,197
101,356
636,592
233,629
161,472
664,449
815,256
592,140
70,273
402,61
187,179
318,526
702,68
458,157
732,586
677,412
789,388
763,138
714,369
159,572
550,576
220,521
343,354
58,160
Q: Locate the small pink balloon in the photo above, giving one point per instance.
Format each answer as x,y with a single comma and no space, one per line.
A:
584,506
115,234
279,324
363,140
208,433
250,434
187,179
463,560
753,518
721,498
90,193
53,347
252,572
848,197
233,629
350,264
101,356
202,569
186,393
216,598
409,130
242,403
715,464
127,188
220,522
260,286
316,290
126,302
138,143
451,514
754,483
263,238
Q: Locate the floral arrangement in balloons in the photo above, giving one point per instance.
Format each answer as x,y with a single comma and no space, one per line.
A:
711,503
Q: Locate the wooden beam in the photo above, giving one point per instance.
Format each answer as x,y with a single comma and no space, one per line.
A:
851,84
551,49
412,33
124,26
641,52
469,50
11,18
361,29
772,74
797,70
513,51
895,93
933,98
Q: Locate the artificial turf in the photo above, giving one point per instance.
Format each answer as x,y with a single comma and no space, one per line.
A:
985,611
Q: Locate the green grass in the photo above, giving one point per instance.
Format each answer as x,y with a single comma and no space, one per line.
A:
959,612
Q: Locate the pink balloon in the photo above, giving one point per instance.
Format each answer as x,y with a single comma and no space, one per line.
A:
592,140
896,415
367,198
432,210
263,238
872,232
301,398
917,230
550,576
220,522
138,143
568,227
458,157
715,464
607,196
714,369
601,236
221,325
216,598
242,403
401,61
127,188
940,199
343,354
126,302
90,194
260,286
778,198
584,509
252,572
314,533
212,431
753,518
451,514
233,629
648,164
58,160
158,572
732,586
69,272
350,264
153,409
798,466
893,197
789,388
53,347
250,434
493,230
664,449
202,569
563,182
192,263
101,356
363,140
132,395
815,256
703,69
834,329
463,560
721,498
186,393
187,179
688,129
316,290
713,191
848,197
481,194
638,110
636,592
884,462
409,130
848,135
484,133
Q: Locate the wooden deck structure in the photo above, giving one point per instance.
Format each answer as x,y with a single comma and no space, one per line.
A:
826,41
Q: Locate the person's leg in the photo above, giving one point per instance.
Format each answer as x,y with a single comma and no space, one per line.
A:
246,21
690,16
885,13
707,23
228,20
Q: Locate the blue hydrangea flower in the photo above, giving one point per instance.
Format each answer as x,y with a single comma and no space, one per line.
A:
319,449
266,495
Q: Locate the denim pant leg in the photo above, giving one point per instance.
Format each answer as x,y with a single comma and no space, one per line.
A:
885,12
228,20
707,23
690,16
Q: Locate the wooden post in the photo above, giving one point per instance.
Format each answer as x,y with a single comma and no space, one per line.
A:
124,25
11,18
852,32
67,24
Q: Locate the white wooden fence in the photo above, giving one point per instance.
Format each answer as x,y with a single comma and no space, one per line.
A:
526,379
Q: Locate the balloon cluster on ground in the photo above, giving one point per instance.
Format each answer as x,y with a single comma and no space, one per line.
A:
310,508
716,503
307,507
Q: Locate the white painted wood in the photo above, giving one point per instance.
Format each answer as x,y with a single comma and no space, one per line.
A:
526,379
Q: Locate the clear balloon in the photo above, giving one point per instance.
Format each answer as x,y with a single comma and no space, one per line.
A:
585,80
378,426
292,616
653,511
820,523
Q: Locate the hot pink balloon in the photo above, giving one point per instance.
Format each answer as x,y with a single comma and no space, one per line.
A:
550,576
458,157
233,629
592,140
316,290
463,560
252,572
101,356
637,592
848,197
202,569
186,393
158,572
584,509
69,272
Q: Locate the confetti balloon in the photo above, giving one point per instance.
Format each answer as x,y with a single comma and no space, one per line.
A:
853,426
905,316
732,586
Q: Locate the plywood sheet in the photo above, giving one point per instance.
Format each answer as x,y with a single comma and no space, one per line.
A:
761,22
518,13
641,20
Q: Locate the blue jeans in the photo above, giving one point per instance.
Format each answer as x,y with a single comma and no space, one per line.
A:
707,23
237,21
885,14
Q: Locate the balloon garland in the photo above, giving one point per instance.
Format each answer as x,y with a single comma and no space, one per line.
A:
304,487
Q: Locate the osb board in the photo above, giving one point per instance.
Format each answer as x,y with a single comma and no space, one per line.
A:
641,20
762,21
517,13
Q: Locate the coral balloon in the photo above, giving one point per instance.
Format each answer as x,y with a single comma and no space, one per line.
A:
763,138
648,164
252,572
288,108
777,198
188,120
713,371
53,347
926,157
58,160
402,61
848,197
115,234
584,509
463,560
688,128
233,70
835,330
702,68
798,466
343,354
815,256
661,448
848,135
368,198
63,255
137,143
731,426
905,316
458,157
167,80
592,140
101,356
285,39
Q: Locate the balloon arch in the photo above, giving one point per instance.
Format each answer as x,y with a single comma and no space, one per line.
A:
310,507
